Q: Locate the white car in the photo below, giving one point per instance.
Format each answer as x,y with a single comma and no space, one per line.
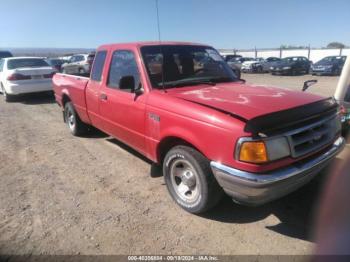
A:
255,65
21,75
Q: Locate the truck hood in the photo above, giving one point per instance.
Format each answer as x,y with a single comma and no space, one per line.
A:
242,100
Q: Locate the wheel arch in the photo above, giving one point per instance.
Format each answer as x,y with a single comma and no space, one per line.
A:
65,99
171,141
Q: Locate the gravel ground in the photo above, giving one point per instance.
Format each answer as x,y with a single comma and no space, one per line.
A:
65,195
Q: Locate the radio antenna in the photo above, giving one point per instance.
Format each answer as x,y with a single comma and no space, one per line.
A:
160,45
158,21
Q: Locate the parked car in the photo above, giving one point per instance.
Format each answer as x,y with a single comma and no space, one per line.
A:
330,65
236,64
79,64
291,66
5,54
253,66
238,61
55,63
229,57
211,132
269,62
259,65
20,75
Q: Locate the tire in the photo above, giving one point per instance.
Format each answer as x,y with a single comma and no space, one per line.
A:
81,71
7,97
190,181
75,125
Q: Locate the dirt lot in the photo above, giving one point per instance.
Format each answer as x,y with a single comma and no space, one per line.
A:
65,195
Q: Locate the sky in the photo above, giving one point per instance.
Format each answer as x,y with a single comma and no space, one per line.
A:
241,24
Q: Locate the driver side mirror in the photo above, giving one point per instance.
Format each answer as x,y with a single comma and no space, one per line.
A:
128,83
308,83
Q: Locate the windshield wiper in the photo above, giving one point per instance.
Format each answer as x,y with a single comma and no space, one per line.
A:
189,82
221,79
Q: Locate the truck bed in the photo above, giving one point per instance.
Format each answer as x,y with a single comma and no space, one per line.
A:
73,87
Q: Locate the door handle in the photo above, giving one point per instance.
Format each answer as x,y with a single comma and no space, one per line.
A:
103,96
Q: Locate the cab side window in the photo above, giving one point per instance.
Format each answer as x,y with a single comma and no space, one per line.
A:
96,73
123,65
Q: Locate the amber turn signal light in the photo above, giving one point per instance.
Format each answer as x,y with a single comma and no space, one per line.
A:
253,152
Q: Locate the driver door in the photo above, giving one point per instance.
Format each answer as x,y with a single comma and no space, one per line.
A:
122,111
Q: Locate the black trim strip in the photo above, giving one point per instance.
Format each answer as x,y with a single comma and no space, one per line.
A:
291,117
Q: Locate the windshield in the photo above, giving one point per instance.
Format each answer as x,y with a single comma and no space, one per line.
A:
26,62
333,59
290,59
178,65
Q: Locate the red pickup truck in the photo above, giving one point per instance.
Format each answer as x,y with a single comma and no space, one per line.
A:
181,106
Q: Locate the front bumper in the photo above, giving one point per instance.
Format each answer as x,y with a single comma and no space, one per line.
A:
256,189
324,71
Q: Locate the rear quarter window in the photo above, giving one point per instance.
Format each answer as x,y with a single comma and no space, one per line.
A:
98,65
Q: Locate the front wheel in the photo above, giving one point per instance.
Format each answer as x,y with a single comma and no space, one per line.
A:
76,126
190,181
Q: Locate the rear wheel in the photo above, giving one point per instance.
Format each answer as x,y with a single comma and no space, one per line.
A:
76,126
190,181
7,97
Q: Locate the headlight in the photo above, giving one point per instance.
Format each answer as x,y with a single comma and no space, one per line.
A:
286,67
262,151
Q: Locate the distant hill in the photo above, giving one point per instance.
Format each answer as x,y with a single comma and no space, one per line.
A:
46,52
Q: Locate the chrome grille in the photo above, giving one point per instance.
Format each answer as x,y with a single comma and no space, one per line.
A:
313,137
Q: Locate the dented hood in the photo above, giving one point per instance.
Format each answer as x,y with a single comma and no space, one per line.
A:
244,101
